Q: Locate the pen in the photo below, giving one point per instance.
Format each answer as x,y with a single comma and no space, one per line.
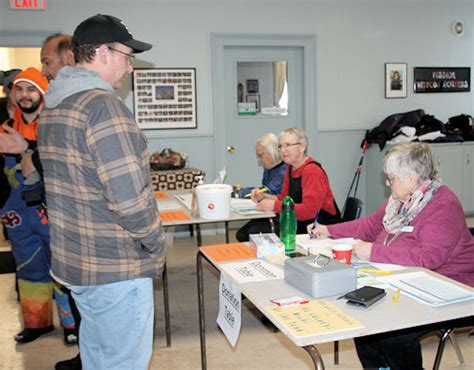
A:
262,190
315,223
396,295
373,271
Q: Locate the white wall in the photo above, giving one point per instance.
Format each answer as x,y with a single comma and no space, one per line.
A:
353,41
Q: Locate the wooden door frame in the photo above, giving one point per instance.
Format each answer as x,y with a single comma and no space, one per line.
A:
221,40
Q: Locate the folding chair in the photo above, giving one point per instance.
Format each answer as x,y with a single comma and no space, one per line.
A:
445,335
353,206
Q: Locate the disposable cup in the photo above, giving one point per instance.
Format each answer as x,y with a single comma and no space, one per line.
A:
342,253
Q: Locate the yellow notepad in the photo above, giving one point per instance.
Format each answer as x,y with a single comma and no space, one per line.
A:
314,317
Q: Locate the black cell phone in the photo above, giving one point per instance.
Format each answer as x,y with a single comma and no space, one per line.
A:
365,296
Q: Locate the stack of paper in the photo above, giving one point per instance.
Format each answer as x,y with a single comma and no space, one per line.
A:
186,199
428,289
243,206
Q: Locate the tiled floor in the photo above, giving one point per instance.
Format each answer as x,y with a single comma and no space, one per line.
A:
257,348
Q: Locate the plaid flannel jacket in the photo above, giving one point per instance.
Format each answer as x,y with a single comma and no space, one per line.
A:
104,222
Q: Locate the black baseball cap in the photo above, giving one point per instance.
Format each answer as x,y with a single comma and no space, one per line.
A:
6,79
104,29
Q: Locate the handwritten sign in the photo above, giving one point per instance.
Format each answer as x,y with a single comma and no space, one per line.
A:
315,317
229,317
251,271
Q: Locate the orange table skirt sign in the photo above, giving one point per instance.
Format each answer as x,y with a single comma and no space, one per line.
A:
174,216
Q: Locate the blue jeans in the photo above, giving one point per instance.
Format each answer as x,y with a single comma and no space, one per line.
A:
116,330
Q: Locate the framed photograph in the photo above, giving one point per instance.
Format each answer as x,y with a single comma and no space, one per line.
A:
165,98
254,98
396,80
252,86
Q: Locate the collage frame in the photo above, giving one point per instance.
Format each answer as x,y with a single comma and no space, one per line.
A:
165,98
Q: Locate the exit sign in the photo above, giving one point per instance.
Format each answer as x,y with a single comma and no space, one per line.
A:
28,4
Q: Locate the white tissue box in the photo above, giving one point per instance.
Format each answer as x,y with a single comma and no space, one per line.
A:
266,244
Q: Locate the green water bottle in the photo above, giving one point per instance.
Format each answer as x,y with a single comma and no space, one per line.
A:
288,224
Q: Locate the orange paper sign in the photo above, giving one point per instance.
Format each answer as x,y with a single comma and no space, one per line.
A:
160,195
174,216
228,252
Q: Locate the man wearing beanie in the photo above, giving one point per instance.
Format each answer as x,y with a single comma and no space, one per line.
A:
27,225
106,237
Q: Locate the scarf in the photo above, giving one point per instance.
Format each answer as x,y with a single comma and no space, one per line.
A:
399,214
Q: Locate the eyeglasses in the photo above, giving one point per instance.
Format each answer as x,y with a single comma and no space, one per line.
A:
287,145
130,57
390,180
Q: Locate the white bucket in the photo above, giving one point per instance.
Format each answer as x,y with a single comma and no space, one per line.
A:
213,201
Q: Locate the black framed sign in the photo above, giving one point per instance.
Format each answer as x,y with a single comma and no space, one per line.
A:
165,98
442,79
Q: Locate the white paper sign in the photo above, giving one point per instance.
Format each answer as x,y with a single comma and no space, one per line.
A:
253,270
229,317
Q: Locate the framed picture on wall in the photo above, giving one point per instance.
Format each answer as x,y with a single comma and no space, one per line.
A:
165,98
252,86
396,80
254,98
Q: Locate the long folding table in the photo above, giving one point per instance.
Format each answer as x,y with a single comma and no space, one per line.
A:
384,316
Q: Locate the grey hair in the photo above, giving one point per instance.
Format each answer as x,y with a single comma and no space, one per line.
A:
299,133
270,143
411,159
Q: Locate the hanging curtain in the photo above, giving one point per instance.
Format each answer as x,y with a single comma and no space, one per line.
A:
279,69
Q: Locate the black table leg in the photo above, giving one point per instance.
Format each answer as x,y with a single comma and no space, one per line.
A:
198,235
167,306
227,232
202,318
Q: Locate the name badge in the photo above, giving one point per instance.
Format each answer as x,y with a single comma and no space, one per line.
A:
407,229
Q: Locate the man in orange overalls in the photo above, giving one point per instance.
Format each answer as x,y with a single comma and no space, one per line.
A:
25,215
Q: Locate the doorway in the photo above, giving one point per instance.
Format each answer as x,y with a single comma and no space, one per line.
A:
250,99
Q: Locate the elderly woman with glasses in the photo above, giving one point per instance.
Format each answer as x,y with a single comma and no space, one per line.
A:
268,156
305,182
421,224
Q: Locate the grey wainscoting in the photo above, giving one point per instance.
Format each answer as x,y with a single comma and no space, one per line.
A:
339,153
